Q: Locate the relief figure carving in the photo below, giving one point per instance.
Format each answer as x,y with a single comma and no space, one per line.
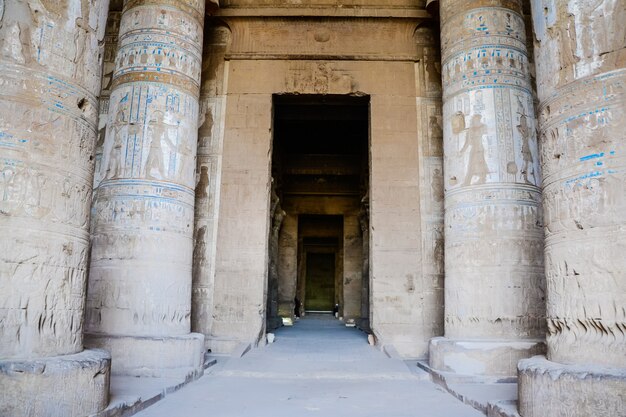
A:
115,156
527,156
159,133
477,166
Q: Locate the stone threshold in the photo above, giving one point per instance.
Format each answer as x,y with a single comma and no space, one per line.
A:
492,396
130,395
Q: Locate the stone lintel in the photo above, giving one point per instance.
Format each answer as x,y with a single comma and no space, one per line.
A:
552,389
60,386
482,357
323,12
157,357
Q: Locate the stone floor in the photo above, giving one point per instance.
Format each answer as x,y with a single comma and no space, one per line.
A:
318,367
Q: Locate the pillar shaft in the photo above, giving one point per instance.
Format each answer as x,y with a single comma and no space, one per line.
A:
49,77
50,63
581,79
493,232
580,51
140,277
208,174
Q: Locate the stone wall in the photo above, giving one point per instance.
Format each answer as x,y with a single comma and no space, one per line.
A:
382,67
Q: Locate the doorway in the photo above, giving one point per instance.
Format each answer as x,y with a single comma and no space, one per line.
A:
320,282
319,210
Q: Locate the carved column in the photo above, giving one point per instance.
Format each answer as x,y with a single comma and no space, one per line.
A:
139,296
430,122
580,51
208,173
108,68
50,67
494,285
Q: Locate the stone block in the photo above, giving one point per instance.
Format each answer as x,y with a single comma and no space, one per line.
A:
481,357
61,386
552,389
158,356
221,345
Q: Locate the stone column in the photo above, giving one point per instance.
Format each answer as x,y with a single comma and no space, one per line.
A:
277,214
208,173
139,295
108,68
288,266
364,224
430,121
494,280
580,51
50,63
352,267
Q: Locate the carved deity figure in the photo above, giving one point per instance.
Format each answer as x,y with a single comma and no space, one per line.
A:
436,185
527,156
155,154
115,157
436,136
477,166
203,183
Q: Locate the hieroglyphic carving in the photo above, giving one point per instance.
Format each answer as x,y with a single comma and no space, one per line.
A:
108,67
49,78
147,175
492,173
318,78
586,37
430,128
208,169
584,199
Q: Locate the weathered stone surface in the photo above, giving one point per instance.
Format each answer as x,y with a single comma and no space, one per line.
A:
581,77
552,389
494,238
580,51
108,68
142,237
208,173
430,122
401,301
502,409
155,357
56,386
50,63
482,358
49,77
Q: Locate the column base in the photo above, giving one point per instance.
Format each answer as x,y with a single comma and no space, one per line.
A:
60,386
556,390
482,357
153,356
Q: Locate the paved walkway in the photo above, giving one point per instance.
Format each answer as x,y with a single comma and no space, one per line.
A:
318,367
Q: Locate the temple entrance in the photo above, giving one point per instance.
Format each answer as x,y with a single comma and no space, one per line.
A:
320,282
320,172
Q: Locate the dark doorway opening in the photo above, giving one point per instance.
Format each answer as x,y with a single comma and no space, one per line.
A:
319,210
320,282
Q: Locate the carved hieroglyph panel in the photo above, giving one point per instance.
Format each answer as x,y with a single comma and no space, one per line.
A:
577,39
430,128
140,277
108,68
324,38
583,154
494,237
49,75
208,170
